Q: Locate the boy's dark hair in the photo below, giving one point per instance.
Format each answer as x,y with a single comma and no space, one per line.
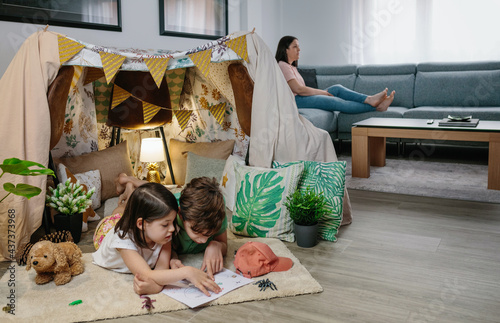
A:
150,201
283,45
202,204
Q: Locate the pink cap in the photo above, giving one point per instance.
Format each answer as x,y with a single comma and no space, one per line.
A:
256,259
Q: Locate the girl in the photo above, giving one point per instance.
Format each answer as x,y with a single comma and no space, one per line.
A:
141,242
334,98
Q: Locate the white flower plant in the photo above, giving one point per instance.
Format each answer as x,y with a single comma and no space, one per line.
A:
69,198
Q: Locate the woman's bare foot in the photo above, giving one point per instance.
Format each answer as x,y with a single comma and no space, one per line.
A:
386,102
376,99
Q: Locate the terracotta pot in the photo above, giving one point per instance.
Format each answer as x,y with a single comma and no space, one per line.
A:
72,223
306,235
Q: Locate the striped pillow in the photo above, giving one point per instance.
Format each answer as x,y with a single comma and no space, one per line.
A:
328,178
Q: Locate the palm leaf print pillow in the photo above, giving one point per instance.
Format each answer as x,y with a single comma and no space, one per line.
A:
328,178
260,196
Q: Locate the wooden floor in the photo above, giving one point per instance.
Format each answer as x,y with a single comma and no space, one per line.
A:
403,259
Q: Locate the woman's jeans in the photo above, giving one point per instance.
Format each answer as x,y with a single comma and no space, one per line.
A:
343,100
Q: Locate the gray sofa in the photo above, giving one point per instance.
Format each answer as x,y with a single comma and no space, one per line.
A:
424,91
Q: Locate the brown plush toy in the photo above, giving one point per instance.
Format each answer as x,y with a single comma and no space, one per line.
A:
55,261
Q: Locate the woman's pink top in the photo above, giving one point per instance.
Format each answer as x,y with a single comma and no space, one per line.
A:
290,72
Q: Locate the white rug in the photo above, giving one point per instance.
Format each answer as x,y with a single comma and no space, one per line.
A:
106,294
426,178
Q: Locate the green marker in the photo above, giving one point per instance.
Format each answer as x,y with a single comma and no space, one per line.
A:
75,302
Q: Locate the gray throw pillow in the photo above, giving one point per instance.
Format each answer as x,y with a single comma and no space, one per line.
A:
199,166
309,76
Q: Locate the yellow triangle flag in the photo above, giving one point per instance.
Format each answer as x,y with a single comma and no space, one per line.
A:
77,73
111,63
157,68
149,111
67,48
202,60
119,95
175,82
218,112
239,46
183,117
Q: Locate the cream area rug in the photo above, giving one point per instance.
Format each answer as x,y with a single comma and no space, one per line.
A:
106,294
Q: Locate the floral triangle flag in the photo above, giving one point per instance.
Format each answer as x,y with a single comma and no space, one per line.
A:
183,117
175,82
239,46
67,48
119,95
157,68
218,111
111,63
149,110
202,60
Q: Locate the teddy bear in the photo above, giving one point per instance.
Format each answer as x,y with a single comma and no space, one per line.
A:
55,261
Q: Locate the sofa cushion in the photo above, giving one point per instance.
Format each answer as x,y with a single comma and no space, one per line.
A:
345,120
199,166
309,76
458,66
458,88
322,119
402,84
327,76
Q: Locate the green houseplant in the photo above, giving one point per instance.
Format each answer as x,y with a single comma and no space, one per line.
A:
21,167
70,200
306,208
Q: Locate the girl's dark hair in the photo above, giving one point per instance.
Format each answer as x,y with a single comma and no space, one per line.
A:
283,45
150,201
202,204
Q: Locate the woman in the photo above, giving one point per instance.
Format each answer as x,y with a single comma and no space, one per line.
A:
335,98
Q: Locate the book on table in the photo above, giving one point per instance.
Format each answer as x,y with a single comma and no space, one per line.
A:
446,122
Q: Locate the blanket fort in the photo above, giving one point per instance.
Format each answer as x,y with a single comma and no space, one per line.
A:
278,131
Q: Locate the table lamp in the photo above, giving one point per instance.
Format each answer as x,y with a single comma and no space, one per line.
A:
152,152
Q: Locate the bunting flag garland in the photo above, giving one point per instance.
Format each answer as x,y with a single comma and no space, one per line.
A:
67,48
149,110
111,63
157,68
218,112
175,82
92,74
239,46
119,95
202,60
183,117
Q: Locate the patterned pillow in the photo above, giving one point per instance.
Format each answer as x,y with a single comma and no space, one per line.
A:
328,178
228,182
260,197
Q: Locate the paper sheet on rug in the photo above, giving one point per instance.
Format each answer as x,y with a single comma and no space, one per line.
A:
186,293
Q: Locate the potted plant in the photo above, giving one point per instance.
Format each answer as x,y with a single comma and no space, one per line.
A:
21,167
70,200
306,208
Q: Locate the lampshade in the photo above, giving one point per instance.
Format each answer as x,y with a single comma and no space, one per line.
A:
152,150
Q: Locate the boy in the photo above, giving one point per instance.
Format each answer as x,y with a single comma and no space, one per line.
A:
201,220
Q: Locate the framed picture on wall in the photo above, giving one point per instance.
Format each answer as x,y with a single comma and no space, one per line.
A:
93,14
193,18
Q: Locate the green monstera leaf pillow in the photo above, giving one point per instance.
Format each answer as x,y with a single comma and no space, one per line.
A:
328,178
260,196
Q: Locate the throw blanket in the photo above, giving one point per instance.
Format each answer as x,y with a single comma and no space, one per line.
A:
25,133
278,131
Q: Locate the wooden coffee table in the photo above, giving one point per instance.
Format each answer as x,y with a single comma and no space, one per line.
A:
369,138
